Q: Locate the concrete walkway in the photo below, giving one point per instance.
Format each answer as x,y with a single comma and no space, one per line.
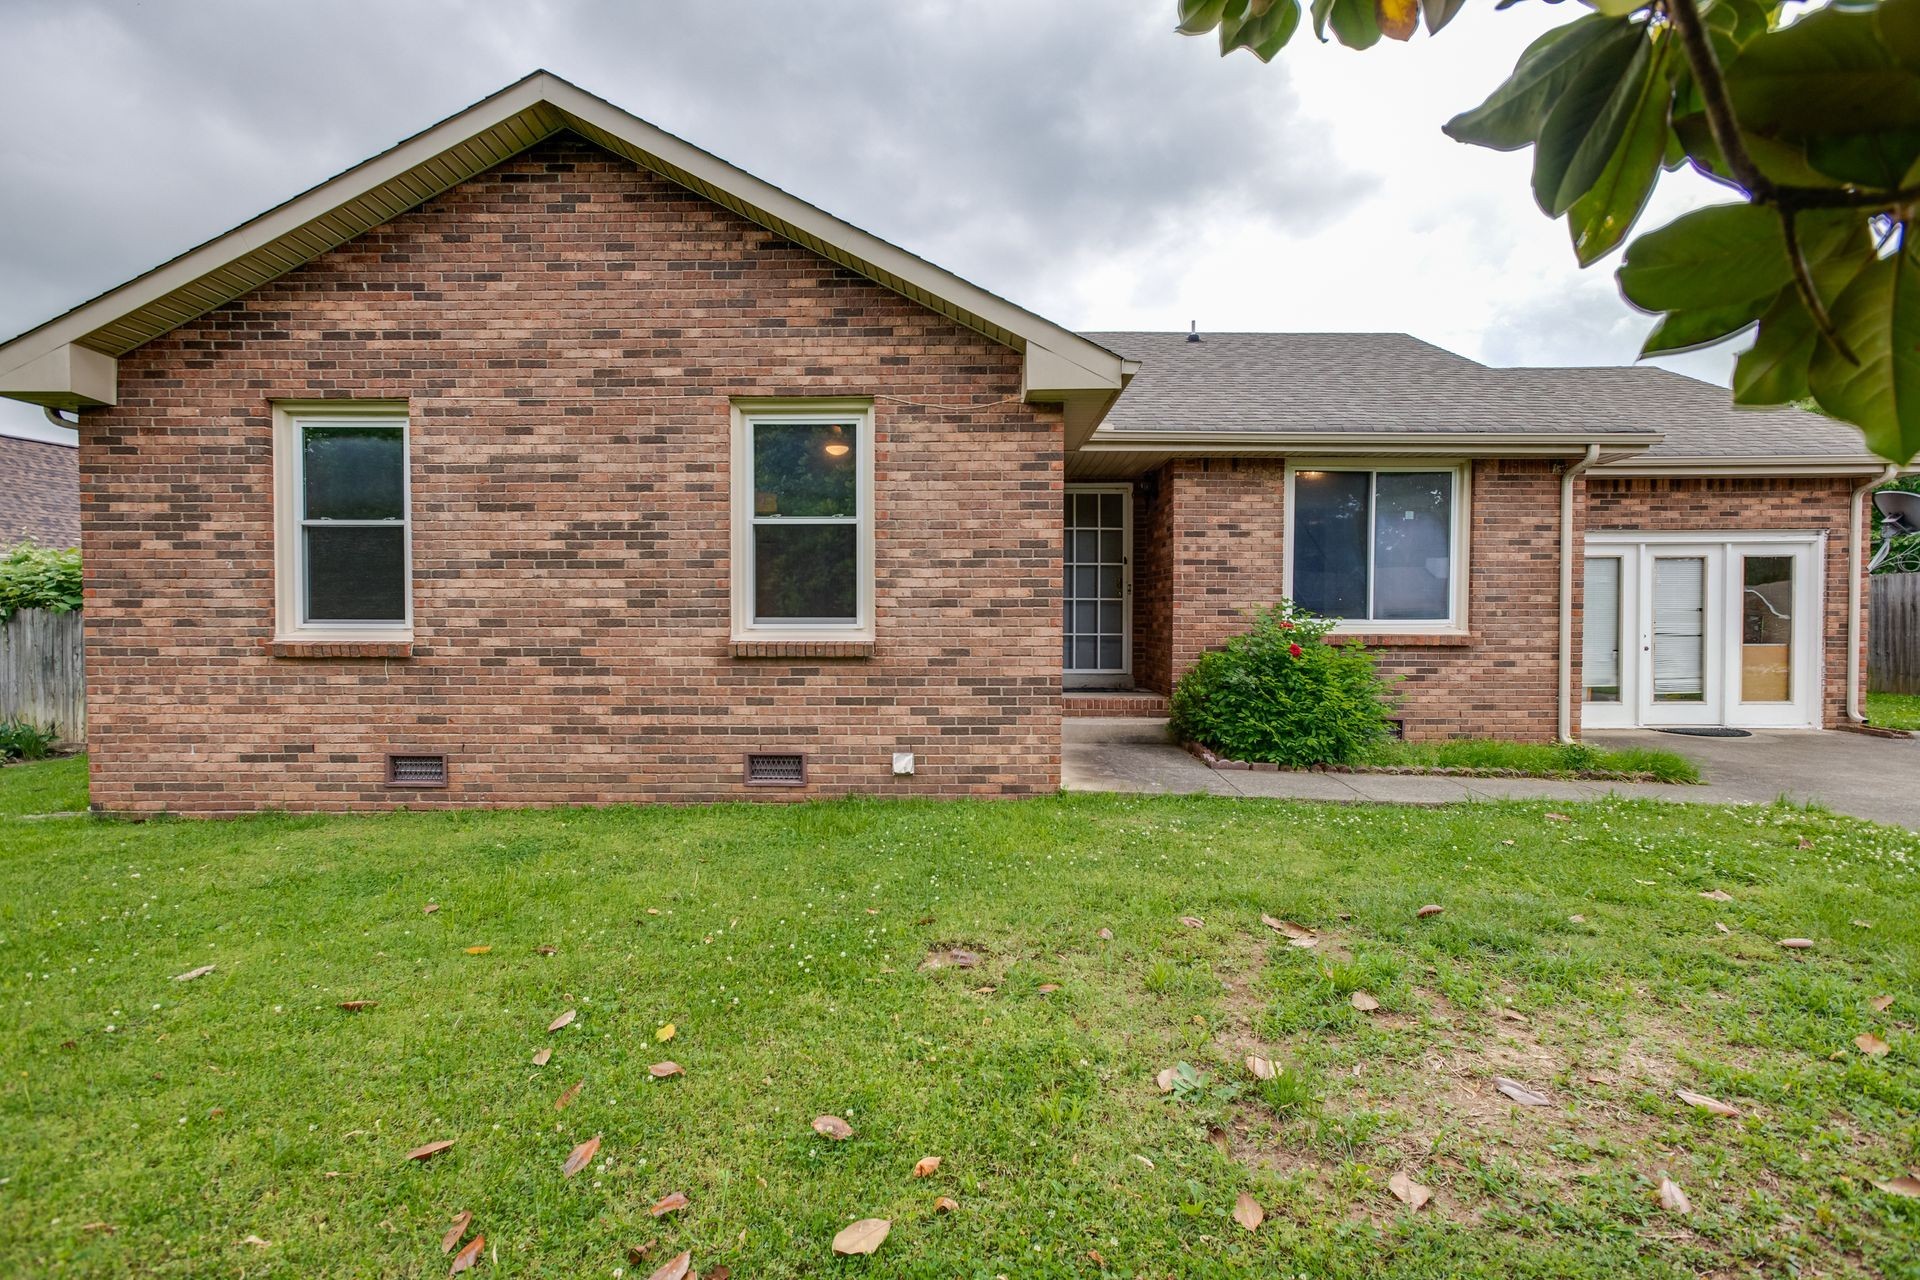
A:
1875,778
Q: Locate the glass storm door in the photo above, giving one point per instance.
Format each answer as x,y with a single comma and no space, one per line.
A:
1097,568
1773,659
1681,635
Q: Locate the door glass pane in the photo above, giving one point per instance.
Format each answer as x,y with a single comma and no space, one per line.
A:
1679,629
1109,653
1412,534
1330,542
1766,629
356,573
353,473
1600,630
804,468
805,572
1110,510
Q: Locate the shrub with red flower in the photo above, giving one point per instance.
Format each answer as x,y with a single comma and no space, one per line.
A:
1294,651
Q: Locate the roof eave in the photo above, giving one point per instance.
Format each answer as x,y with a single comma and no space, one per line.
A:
1757,465
1614,445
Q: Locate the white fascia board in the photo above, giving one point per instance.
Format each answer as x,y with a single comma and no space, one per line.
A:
68,377
1787,466
1423,442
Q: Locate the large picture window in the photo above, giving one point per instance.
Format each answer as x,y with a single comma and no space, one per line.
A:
345,554
1378,547
803,521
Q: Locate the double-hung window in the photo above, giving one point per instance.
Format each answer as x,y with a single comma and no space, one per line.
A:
344,528
803,520
1382,549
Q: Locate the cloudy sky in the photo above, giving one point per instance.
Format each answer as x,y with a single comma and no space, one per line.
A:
1076,156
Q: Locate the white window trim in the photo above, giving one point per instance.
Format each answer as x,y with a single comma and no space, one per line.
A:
1459,551
289,568
747,412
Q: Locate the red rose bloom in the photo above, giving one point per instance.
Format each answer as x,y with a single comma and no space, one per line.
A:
1294,650
1286,625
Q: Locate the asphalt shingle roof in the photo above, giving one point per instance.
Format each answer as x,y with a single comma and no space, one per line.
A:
1362,383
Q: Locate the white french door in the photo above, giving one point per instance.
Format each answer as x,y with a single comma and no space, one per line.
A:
1683,631
1097,596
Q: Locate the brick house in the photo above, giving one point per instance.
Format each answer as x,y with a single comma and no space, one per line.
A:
546,459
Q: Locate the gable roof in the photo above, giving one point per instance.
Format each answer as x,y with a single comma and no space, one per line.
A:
1373,392
69,360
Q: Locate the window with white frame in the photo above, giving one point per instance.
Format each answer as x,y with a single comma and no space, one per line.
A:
803,520
1379,547
344,527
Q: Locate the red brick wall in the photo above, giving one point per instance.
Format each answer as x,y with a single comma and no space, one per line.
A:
39,493
1225,537
1153,581
1753,505
568,330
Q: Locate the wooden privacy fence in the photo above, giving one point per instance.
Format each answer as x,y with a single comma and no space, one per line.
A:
42,679
1893,633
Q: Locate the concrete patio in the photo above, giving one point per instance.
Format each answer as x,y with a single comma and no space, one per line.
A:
1866,777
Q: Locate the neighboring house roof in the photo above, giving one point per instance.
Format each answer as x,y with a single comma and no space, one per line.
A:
1235,392
70,361
39,492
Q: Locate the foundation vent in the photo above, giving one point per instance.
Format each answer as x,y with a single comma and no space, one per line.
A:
768,770
416,771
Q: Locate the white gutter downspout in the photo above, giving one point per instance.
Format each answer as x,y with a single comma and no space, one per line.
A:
1856,555
1567,478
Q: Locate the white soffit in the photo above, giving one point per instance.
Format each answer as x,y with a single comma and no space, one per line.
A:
68,361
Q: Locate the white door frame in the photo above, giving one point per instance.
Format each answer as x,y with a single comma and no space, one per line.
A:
1724,553
1122,677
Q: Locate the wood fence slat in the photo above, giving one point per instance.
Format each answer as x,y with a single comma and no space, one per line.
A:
1893,633
42,672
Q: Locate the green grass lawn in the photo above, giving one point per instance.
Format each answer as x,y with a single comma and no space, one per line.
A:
1894,710
1538,759
150,1127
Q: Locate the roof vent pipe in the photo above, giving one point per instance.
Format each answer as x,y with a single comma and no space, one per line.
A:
1193,331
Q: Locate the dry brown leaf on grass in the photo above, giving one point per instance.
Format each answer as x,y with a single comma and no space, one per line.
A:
546,949
671,1203
480,950
1672,1198
1048,988
720,1272
191,974
1248,1213
1409,1192
542,1057
1298,933
1363,1002
863,1236
461,1221
1721,927
1871,1045
661,1070
572,1092
468,1257
832,1127
1520,1093
430,1150
1861,924
429,909
1262,1069
1431,909
1558,817
675,1268
925,1166
945,1204
639,1253
356,1006
1906,1185
665,1032
256,1241
1713,1106
565,1019
1716,895
1105,935
1193,922
581,1156
1797,944
1880,1004
1164,1079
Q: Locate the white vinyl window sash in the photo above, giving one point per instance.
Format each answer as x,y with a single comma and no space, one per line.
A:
1381,548
343,563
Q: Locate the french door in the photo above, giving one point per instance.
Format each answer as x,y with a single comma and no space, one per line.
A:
1097,599
1680,632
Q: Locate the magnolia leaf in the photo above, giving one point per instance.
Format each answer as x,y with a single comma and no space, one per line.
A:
358,1006
1797,944
1907,1185
461,1221
1588,123
565,1019
670,1203
1712,1106
542,1057
1599,219
1880,1004
1520,1093
1615,8
1439,13
1363,1002
1264,33
1354,23
1193,922
191,974
862,1237
1197,17
1409,1192
925,1166
1512,116
1247,1212
945,1204
1880,159
1397,19
572,1092
1431,909
1871,1045
580,1157
430,1150
832,1127
1724,254
1716,895
469,1257
1165,1078
1672,1198
480,950
1830,72
662,1070
1321,10
675,1268
662,1034
1262,1069
1878,317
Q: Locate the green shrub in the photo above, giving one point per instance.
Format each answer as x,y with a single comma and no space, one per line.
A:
22,741
1281,694
37,577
